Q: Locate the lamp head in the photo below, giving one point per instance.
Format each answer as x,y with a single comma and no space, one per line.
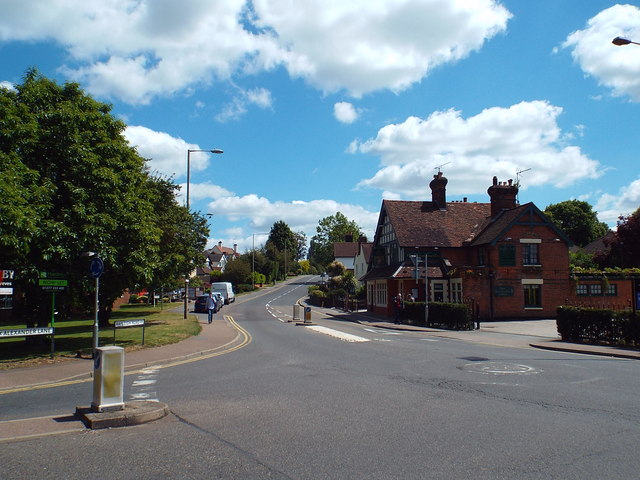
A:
620,41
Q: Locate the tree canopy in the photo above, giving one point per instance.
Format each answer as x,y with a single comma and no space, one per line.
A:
577,220
623,249
330,230
71,183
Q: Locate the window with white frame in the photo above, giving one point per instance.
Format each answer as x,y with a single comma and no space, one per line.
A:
532,296
456,290
532,293
530,251
381,294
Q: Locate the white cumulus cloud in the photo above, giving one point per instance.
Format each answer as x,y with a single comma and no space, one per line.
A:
166,154
613,66
136,50
364,45
345,112
624,202
304,216
497,141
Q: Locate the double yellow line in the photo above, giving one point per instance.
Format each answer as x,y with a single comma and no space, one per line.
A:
245,340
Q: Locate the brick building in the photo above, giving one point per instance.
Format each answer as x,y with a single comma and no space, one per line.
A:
504,259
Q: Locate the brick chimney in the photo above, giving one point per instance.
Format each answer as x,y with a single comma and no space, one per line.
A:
439,191
503,196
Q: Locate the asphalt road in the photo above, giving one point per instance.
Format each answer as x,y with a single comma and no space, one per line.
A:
349,401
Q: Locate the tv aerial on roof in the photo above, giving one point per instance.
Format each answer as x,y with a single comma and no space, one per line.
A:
439,167
518,173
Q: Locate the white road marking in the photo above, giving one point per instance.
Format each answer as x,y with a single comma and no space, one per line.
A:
143,386
382,332
347,337
588,380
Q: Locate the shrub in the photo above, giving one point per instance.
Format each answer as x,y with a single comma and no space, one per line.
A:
317,297
451,316
598,326
244,287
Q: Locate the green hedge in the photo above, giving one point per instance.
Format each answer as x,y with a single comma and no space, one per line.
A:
317,297
450,316
588,325
244,287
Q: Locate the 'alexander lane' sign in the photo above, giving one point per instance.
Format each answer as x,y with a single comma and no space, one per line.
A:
26,332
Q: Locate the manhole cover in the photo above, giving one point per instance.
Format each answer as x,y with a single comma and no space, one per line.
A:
501,368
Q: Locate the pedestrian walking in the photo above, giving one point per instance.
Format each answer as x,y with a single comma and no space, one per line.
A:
211,306
397,308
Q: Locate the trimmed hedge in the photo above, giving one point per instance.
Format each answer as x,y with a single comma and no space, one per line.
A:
588,325
450,316
317,297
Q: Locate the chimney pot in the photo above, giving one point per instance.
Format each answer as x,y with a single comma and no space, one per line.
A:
503,196
439,190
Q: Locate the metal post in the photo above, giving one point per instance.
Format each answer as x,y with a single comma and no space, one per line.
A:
426,289
186,281
53,322
95,321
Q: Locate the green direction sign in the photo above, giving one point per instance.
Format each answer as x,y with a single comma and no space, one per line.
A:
47,282
52,282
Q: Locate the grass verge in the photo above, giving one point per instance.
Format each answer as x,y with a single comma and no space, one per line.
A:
163,326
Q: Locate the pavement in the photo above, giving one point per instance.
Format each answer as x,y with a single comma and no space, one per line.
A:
541,333
224,335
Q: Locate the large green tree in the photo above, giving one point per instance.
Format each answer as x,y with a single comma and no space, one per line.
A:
577,220
330,230
182,238
74,185
284,247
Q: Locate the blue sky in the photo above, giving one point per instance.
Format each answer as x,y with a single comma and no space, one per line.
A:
332,106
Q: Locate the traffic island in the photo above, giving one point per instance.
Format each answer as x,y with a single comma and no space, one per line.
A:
134,413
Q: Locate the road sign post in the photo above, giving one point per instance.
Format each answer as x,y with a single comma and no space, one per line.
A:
52,283
96,267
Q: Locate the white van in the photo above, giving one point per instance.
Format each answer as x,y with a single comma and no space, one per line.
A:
226,290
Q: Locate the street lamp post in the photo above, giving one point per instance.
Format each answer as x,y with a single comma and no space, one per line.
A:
186,280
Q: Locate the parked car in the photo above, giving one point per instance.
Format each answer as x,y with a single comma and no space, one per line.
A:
219,301
201,303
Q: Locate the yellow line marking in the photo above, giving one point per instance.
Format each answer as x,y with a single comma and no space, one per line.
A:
246,340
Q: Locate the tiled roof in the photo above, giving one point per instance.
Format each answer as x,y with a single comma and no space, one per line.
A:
345,249
402,270
366,250
423,224
494,228
599,245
